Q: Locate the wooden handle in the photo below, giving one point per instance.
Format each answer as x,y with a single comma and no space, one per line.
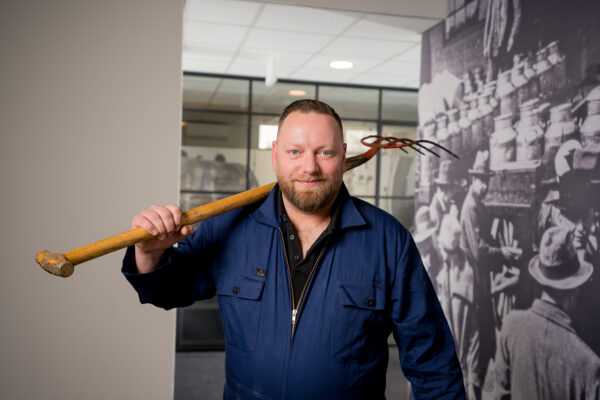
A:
62,264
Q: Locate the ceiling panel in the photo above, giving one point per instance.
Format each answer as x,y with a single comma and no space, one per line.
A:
277,40
382,27
402,68
364,48
305,19
195,32
239,37
322,62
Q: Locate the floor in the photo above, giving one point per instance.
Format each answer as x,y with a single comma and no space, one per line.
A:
200,375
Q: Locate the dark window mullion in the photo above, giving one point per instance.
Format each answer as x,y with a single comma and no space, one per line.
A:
249,133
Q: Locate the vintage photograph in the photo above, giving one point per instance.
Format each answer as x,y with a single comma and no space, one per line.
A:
509,231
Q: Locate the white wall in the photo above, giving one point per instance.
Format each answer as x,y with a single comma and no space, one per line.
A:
90,103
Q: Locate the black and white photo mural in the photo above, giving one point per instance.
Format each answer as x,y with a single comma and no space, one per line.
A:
509,232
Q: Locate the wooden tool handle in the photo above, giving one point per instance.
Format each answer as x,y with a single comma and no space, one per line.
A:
62,264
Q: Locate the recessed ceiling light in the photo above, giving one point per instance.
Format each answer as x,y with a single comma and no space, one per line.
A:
341,64
297,92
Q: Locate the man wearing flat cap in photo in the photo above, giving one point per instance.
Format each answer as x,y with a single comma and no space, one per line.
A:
540,355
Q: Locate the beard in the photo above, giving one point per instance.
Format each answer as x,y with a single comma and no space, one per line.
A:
314,198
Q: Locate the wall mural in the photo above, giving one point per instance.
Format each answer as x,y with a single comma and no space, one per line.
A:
509,232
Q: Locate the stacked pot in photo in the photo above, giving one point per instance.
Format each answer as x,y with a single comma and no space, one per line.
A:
536,117
522,118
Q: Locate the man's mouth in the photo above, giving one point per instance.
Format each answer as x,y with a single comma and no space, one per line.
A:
309,182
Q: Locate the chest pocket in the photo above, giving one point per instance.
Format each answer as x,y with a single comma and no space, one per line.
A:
240,303
359,328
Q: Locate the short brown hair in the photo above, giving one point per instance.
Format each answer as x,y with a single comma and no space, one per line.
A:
310,105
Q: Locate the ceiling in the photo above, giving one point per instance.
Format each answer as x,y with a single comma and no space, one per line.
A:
250,38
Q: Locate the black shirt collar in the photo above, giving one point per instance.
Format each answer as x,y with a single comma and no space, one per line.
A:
336,211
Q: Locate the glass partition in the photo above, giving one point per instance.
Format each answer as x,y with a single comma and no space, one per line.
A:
272,100
228,126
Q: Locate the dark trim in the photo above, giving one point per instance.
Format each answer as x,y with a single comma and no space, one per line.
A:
249,135
258,78
263,114
378,158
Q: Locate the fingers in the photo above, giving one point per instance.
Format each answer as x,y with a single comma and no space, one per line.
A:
186,231
161,221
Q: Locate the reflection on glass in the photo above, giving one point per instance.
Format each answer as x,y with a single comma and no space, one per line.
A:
360,180
211,93
351,102
260,158
399,105
262,167
210,169
215,129
401,208
397,175
267,134
272,100
199,327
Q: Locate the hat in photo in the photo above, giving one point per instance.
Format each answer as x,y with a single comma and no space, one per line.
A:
445,175
424,226
588,159
481,166
557,264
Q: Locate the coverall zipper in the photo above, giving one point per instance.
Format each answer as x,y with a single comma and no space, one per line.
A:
296,308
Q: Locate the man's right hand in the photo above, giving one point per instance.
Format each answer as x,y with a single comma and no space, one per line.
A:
164,222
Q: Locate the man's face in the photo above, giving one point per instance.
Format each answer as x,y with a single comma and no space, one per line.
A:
447,193
309,159
480,186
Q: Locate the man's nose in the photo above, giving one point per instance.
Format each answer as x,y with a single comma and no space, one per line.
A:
310,165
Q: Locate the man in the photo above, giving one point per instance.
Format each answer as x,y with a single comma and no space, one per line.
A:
481,254
455,292
425,240
540,356
576,207
310,282
443,200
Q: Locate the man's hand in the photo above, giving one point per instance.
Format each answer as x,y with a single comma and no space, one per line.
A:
164,222
511,253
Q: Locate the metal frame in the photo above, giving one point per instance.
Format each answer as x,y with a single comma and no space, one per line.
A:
250,113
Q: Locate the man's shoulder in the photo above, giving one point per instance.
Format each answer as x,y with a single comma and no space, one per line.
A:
233,218
377,217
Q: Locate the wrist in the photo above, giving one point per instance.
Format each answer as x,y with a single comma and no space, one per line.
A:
147,260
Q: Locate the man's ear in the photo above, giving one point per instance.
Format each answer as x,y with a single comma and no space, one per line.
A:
274,155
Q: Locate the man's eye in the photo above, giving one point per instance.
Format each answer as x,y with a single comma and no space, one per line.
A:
326,153
294,152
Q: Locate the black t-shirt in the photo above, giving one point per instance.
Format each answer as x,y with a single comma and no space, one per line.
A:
302,268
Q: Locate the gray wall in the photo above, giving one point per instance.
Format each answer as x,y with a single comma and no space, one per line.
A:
90,103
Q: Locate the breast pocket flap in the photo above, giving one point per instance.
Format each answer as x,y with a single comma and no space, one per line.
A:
368,296
241,286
